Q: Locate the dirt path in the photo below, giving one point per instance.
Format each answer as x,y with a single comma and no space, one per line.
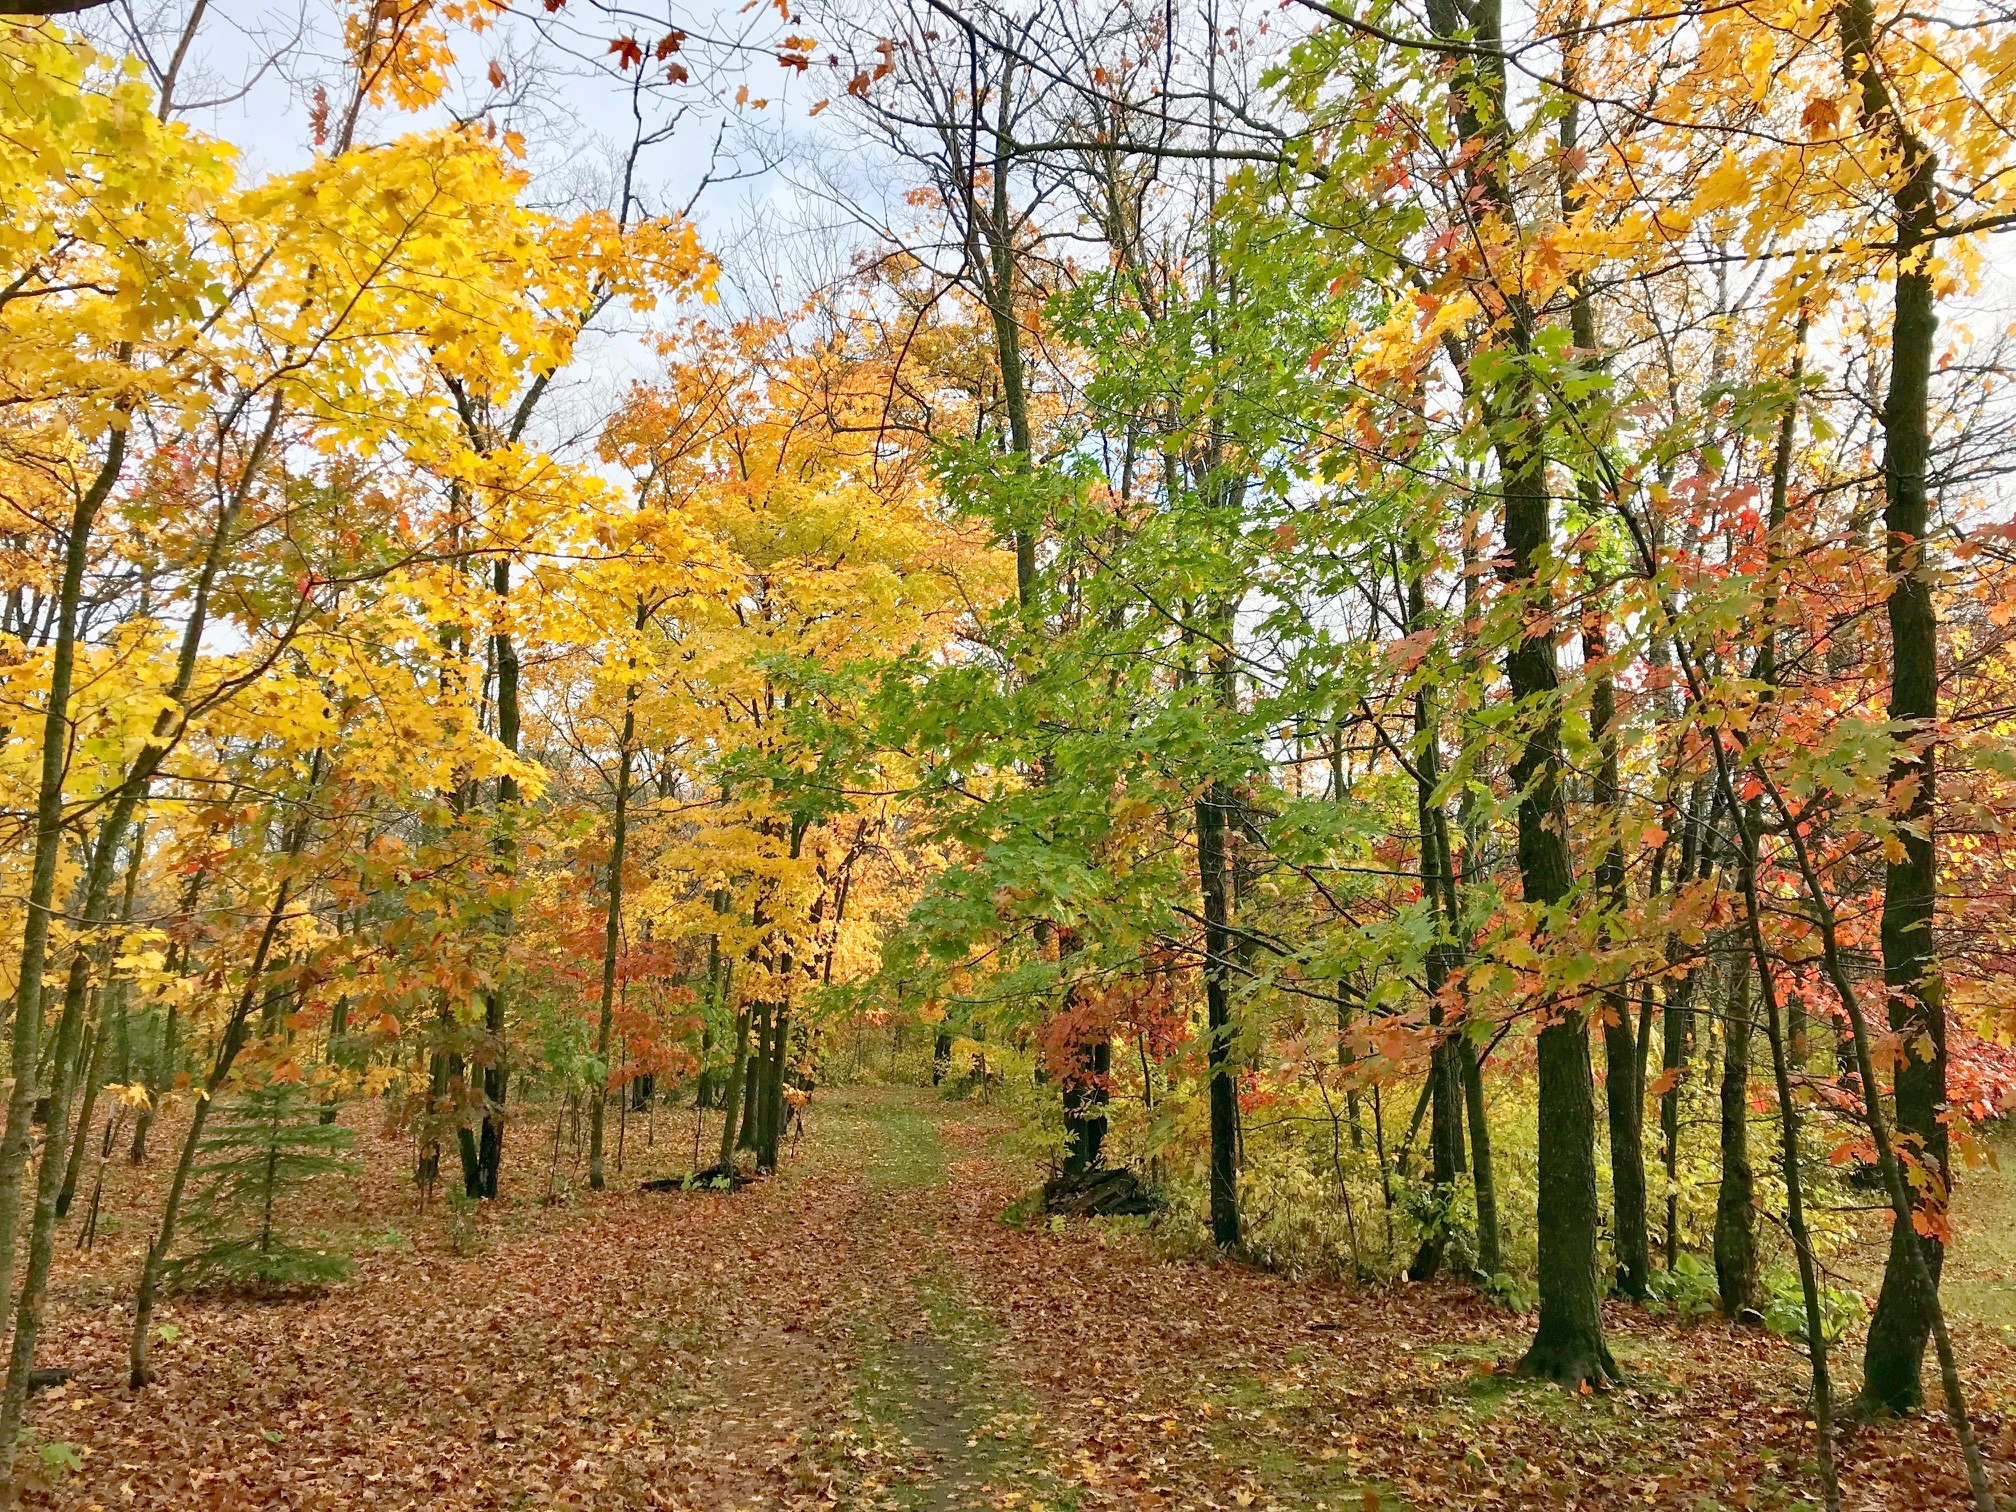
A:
866,1334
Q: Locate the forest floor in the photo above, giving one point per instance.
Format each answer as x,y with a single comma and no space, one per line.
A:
866,1333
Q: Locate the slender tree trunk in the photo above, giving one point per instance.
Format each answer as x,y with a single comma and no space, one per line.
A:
1736,1196
770,1126
1211,809
1438,888
737,1076
111,1015
1908,1303
752,1078
1673,1019
1795,1202
94,1070
1887,1161
162,1078
38,906
125,800
1624,1095
1736,1260
497,1062
1568,1344
611,942
138,1372
233,1041
1483,1177
1483,1174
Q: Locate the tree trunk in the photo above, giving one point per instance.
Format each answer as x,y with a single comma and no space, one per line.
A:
138,1371
1736,1196
1483,1177
1211,809
38,906
162,1078
111,997
1568,1344
1788,1161
771,1125
126,798
1624,1096
1905,1308
496,1063
736,1078
752,1079
612,933
1736,1261
1673,1021
94,1070
1438,889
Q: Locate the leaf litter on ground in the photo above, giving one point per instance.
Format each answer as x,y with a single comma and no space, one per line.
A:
864,1332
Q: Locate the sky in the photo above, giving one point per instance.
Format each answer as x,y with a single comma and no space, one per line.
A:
254,70
770,188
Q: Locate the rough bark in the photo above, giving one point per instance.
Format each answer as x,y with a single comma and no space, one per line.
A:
737,1076
496,1063
1736,1193
1568,1343
1908,1303
1624,1096
1211,809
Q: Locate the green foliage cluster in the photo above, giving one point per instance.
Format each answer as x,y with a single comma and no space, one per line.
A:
264,1146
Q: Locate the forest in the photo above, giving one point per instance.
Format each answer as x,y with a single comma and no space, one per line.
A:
1028,754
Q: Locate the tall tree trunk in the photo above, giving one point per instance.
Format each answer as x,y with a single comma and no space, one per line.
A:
1211,809
125,800
611,940
1674,1018
737,1076
1905,1308
111,1016
1623,1094
1568,1344
94,1070
1483,1176
1887,1161
752,1078
1438,889
496,1050
1736,1262
771,1125
160,1077
1736,1195
38,906
1789,1167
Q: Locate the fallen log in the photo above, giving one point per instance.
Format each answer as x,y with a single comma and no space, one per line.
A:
1108,1192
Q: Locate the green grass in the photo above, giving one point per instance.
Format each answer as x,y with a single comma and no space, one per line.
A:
1980,1278
907,1149
938,1388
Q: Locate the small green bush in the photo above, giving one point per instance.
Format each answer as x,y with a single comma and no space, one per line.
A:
1785,1308
263,1146
1689,1290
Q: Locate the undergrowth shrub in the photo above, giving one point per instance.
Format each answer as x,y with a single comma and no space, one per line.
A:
263,1146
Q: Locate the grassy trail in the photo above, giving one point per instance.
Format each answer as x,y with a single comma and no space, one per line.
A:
865,1333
